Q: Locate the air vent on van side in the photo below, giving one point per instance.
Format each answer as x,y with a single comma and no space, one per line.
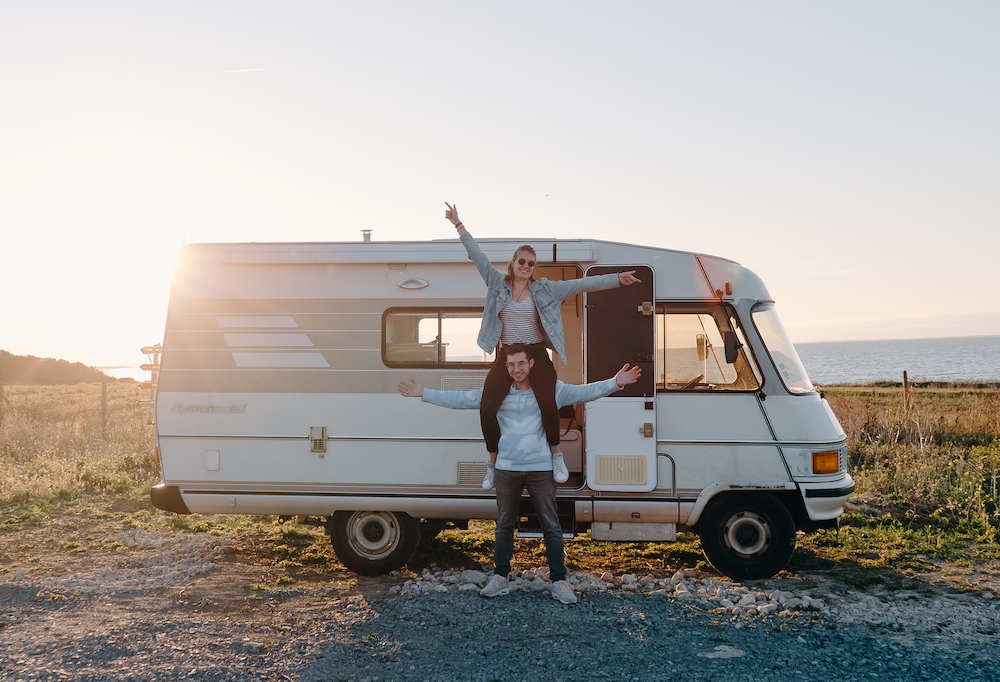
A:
462,383
471,473
620,470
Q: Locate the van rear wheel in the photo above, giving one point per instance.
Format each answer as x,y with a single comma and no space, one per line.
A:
373,542
747,535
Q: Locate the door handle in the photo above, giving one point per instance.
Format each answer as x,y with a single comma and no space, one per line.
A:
646,430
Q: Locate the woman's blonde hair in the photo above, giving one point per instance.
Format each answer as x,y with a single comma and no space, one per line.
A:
510,265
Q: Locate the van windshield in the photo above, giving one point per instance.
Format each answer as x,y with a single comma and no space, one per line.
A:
782,352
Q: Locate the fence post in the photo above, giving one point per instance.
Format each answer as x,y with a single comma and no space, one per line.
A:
104,409
906,396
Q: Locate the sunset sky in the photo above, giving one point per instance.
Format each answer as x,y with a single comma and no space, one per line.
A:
848,153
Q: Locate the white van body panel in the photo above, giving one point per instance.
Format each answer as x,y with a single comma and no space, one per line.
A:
266,343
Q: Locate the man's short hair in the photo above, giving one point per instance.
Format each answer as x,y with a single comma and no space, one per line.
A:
515,348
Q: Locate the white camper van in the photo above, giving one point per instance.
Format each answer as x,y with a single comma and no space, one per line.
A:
276,394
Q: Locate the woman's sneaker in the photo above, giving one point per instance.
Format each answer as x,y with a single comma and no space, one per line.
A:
563,592
498,585
491,471
559,470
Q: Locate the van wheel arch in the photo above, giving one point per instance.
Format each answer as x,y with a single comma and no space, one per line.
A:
747,535
373,542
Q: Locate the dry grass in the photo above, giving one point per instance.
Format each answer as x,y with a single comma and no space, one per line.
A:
936,455
53,445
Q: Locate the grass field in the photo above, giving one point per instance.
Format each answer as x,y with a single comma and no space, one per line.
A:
927,471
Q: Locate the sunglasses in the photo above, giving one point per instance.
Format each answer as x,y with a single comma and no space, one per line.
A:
521,261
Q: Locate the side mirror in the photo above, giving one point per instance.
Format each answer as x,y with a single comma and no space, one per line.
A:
732,346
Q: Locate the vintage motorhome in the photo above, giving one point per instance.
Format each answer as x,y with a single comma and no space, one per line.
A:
275,393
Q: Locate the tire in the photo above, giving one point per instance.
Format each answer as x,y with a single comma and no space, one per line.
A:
747,535
373,543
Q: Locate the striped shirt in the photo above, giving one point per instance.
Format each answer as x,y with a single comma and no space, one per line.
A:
521,323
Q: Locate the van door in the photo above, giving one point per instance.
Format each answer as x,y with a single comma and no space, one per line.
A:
620,440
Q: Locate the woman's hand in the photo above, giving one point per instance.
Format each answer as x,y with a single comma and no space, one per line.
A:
627,376
452,215
628,278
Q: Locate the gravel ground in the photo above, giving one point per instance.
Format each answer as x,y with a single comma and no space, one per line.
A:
183,608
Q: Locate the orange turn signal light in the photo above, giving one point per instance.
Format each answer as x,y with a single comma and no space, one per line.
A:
826,462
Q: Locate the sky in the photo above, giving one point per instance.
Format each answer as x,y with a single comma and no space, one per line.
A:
848,152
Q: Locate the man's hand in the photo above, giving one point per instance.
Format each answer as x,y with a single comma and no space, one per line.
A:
628,278
626,376
410,389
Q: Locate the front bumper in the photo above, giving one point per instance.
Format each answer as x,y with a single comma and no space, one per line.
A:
825,500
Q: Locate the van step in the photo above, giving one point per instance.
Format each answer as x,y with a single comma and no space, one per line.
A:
529,527
521,533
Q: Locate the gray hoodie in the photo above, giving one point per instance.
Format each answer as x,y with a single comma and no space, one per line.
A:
523,446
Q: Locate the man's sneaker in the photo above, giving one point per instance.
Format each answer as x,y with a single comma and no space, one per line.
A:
559,470
563,592
498,585
491,471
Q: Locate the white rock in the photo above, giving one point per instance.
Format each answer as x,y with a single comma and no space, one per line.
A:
468,587
723,651
725,603
470,576
747,600
19,575
629,579
607,577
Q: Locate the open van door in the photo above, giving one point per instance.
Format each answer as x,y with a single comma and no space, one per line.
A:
620,429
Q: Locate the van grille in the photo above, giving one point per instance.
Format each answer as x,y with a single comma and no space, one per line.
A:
620,470
471,473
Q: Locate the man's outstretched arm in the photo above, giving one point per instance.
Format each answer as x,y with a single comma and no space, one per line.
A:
569,394
456,400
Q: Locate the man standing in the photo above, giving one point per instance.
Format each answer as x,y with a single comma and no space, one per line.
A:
524,460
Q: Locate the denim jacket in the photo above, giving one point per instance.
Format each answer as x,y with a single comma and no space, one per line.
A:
523,446
547,295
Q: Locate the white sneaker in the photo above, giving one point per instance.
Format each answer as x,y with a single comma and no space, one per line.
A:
491,471
559,470
497,586
562,591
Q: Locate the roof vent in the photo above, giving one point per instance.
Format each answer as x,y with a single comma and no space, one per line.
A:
366,235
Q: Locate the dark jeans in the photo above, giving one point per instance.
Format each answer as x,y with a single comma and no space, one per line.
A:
542,489
497,386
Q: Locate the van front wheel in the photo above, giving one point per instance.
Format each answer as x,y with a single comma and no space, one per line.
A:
373,543
747,535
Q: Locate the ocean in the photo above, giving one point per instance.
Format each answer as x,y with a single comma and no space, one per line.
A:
967,358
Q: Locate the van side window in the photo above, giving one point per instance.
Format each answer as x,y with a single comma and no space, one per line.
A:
433,337
690,351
